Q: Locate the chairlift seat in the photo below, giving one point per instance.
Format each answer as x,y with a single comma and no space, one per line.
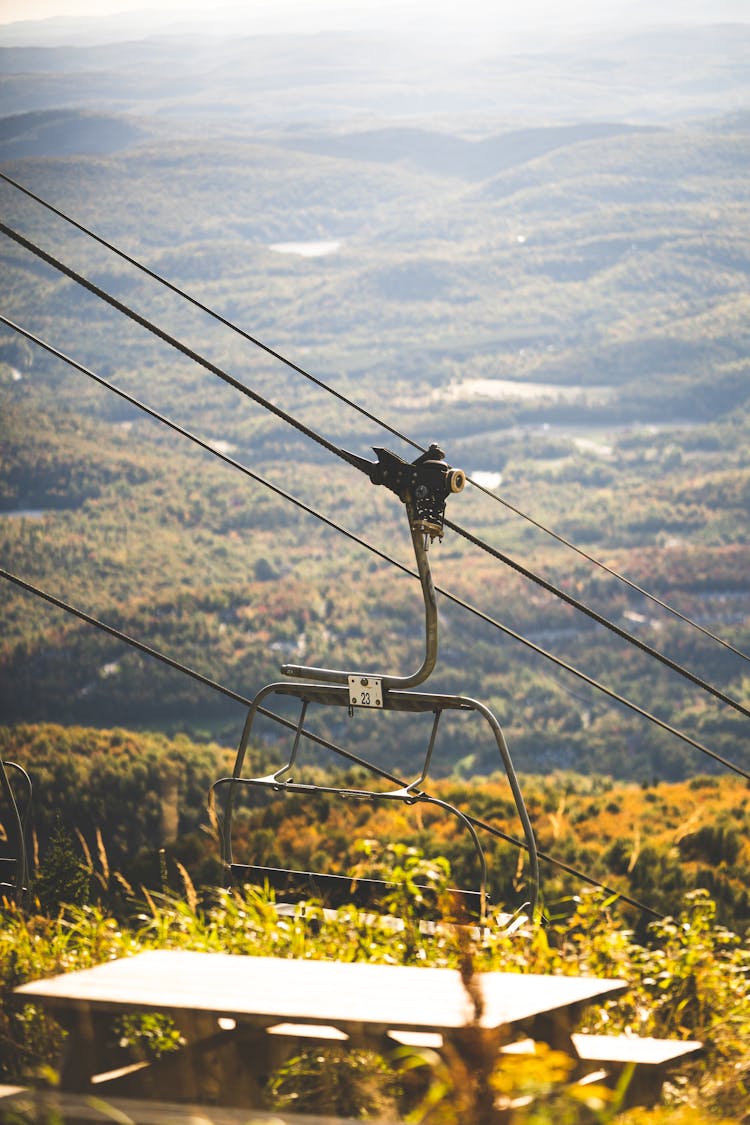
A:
14,869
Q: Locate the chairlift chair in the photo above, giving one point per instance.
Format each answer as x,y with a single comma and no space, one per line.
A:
423,486
14,863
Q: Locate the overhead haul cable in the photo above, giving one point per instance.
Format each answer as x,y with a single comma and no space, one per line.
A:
120,636
350,459
317,739
381,554
407,440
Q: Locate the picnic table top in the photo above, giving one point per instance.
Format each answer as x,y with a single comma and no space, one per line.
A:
265,990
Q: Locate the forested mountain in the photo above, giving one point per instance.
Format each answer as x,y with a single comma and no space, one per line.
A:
558,295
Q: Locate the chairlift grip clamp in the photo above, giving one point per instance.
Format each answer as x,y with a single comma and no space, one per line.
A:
427,482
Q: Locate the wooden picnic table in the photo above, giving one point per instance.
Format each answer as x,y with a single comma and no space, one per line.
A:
238,1014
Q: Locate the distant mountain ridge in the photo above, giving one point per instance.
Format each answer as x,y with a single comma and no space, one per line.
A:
64,133
448,154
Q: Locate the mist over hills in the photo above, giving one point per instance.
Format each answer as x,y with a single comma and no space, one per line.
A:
395,73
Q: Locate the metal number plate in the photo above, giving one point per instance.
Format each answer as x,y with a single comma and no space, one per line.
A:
365,691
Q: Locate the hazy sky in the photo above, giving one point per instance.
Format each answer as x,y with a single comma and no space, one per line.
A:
308,13
40,9
277,10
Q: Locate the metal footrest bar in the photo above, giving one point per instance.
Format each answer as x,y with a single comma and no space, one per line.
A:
343,890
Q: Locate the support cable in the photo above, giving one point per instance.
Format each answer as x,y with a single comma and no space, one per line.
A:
120,636
593,683
396,433
210,312
612,573
601,620
183,432
342,454
294,726
385,557
167,338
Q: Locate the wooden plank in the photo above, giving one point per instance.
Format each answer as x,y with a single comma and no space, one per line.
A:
265,990
9,1091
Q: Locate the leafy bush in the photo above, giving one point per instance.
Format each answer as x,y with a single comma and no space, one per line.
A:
688,978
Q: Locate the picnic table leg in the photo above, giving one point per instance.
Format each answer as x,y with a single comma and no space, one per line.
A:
214,1067
87,1032
644,1085
556,1028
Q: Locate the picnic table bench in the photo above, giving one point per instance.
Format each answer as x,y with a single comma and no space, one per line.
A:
607,1056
